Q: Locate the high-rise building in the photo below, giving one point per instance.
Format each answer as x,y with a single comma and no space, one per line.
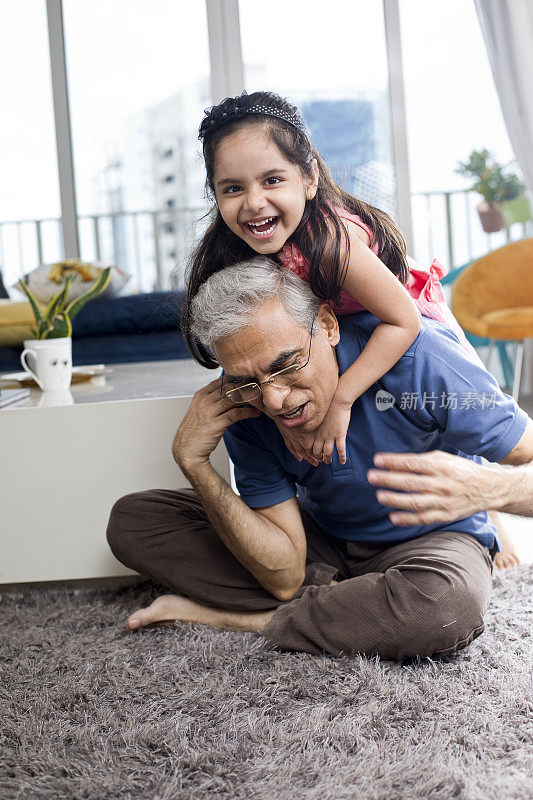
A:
156,169
352,135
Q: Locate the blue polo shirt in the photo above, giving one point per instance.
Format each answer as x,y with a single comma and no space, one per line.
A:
434,398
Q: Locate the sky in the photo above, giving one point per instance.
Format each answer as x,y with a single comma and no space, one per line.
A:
124,55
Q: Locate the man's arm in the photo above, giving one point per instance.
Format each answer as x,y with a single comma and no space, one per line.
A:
270,542
440,487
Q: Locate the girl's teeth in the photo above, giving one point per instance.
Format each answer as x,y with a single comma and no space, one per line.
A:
263,222
255,225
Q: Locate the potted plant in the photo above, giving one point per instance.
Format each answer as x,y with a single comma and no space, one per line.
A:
504,198
55,321
48,356
516,210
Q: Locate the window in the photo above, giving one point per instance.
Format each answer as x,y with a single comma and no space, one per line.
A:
452,108
28,163
336,72
138,80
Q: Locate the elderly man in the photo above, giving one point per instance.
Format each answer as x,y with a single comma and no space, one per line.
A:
307,555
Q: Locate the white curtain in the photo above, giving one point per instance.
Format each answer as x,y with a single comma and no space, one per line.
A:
507,27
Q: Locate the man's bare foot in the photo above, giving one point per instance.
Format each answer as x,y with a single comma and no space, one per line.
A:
506,558
175,608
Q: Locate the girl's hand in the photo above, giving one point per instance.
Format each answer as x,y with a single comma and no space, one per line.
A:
298,446
298,449
331,433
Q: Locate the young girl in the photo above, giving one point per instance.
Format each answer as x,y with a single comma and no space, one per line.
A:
275,196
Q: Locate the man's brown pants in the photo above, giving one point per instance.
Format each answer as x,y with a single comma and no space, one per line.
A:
421,597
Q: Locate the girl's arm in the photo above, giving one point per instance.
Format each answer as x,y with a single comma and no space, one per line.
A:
373,285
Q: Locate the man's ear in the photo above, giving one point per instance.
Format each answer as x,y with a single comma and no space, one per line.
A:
329,323
312,186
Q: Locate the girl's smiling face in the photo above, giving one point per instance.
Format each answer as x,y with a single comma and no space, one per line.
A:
260,194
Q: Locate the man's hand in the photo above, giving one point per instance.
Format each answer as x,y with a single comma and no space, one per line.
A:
270,542
435,487
201,429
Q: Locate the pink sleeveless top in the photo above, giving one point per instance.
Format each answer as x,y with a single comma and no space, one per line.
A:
423,286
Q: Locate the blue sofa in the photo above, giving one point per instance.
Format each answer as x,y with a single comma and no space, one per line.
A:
116,330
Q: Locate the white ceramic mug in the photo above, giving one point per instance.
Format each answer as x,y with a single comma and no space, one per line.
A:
49,399
49,362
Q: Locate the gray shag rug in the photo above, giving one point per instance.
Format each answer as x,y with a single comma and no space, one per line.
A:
90,711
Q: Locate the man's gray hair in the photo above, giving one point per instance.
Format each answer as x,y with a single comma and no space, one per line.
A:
227,301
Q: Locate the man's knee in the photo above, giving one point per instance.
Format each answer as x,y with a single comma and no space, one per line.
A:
397,614
449,623
140,520
120,528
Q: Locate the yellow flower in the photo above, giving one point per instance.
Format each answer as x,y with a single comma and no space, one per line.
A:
72,267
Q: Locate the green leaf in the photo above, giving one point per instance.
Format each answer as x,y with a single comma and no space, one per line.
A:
64,301
61,326
33,302
493,181
99,286
56,304
43,328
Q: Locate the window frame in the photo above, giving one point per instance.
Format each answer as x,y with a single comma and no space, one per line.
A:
227,80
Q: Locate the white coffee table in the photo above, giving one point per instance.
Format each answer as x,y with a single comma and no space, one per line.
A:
63,466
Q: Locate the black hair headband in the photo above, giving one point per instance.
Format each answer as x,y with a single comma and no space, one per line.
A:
235,107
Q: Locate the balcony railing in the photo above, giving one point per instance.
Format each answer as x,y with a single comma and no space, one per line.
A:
154,246
446,226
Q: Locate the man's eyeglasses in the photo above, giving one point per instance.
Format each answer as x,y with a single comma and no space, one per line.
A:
287,376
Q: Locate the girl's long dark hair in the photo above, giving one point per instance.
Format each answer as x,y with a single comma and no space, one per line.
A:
220,247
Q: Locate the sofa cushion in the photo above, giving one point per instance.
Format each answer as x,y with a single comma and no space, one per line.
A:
48,279
117,349
143,327
137,313
509,323
16,322
127,348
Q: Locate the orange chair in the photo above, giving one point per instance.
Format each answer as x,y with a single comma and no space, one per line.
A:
493,298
